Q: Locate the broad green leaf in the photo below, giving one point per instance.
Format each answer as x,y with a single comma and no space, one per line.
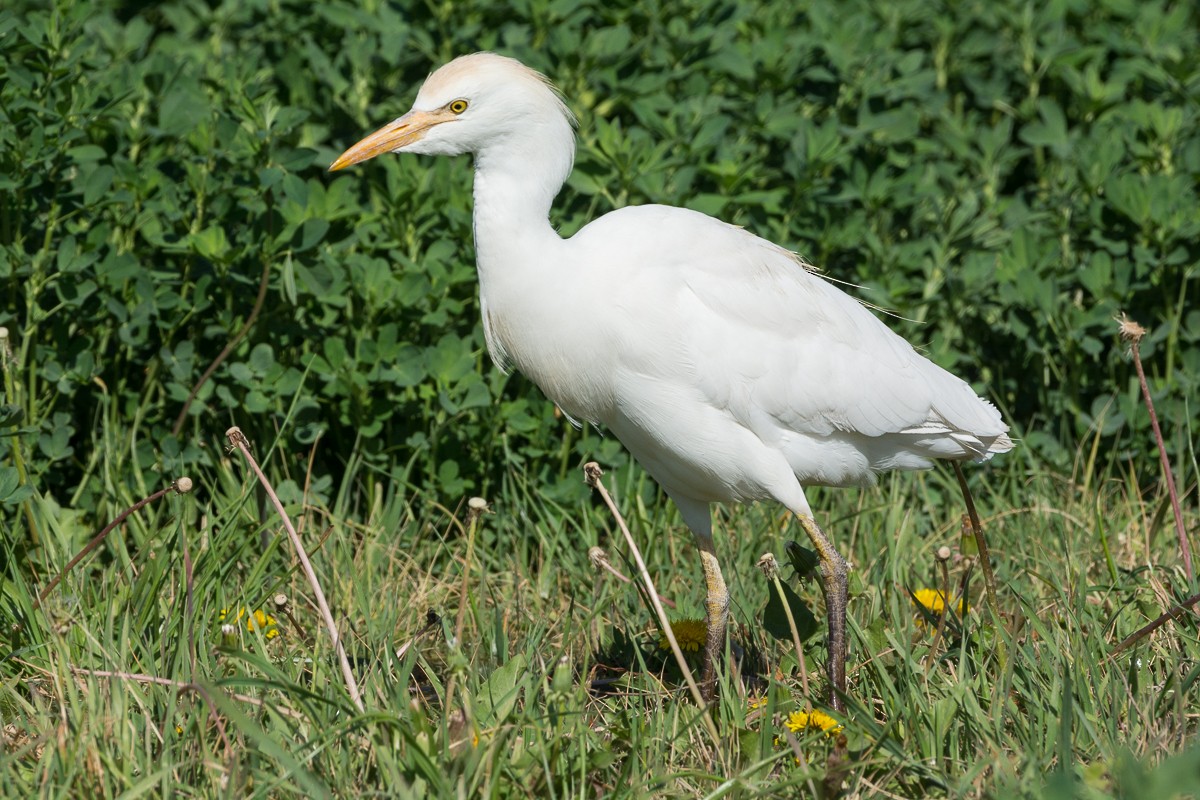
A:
775,620
498,695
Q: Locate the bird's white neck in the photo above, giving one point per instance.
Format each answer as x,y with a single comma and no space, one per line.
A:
516,180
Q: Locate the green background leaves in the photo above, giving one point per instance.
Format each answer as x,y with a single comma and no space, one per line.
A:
1006,178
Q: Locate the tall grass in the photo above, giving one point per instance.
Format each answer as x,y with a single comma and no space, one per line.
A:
556,685
1041,156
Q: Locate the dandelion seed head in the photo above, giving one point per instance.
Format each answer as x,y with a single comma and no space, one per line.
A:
1129,330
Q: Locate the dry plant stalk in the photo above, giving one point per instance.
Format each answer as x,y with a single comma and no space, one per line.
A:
599,560
180,485
239,441
188,686
770,568
985,559
230,346
942,555
1132,332
1175,612
476,508
182,686
592,473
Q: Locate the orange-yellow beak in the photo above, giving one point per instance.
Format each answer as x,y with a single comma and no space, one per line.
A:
399,133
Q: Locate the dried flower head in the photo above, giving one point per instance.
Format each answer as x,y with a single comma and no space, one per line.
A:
597,556
1130,331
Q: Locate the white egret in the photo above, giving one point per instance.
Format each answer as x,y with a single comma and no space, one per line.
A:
728,369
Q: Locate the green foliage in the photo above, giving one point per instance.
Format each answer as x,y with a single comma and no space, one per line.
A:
775,617
1008,177
555,684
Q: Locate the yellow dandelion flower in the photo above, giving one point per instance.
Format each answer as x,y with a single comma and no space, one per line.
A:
259,620
933,601
756,703
800,721
690,633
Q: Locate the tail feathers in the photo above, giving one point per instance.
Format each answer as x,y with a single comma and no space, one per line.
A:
944,439
982,448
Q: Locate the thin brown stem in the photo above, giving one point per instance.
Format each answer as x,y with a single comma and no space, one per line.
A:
1185,547
592,473
189,686
985,559
796,642
599,559
239,440
1175,612
229,347
476,508
941,626
181,485
185,685
1132,332
770,568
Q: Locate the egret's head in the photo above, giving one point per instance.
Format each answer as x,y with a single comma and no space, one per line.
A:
472,103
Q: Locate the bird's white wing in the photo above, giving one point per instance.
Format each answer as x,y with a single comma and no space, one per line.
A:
779,348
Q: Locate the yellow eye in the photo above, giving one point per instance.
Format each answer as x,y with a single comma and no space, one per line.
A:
458,106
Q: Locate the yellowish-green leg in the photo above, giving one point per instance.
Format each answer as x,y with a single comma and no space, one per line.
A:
717,606
833,573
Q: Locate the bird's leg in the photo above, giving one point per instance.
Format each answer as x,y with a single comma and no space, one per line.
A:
717,606
833,573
